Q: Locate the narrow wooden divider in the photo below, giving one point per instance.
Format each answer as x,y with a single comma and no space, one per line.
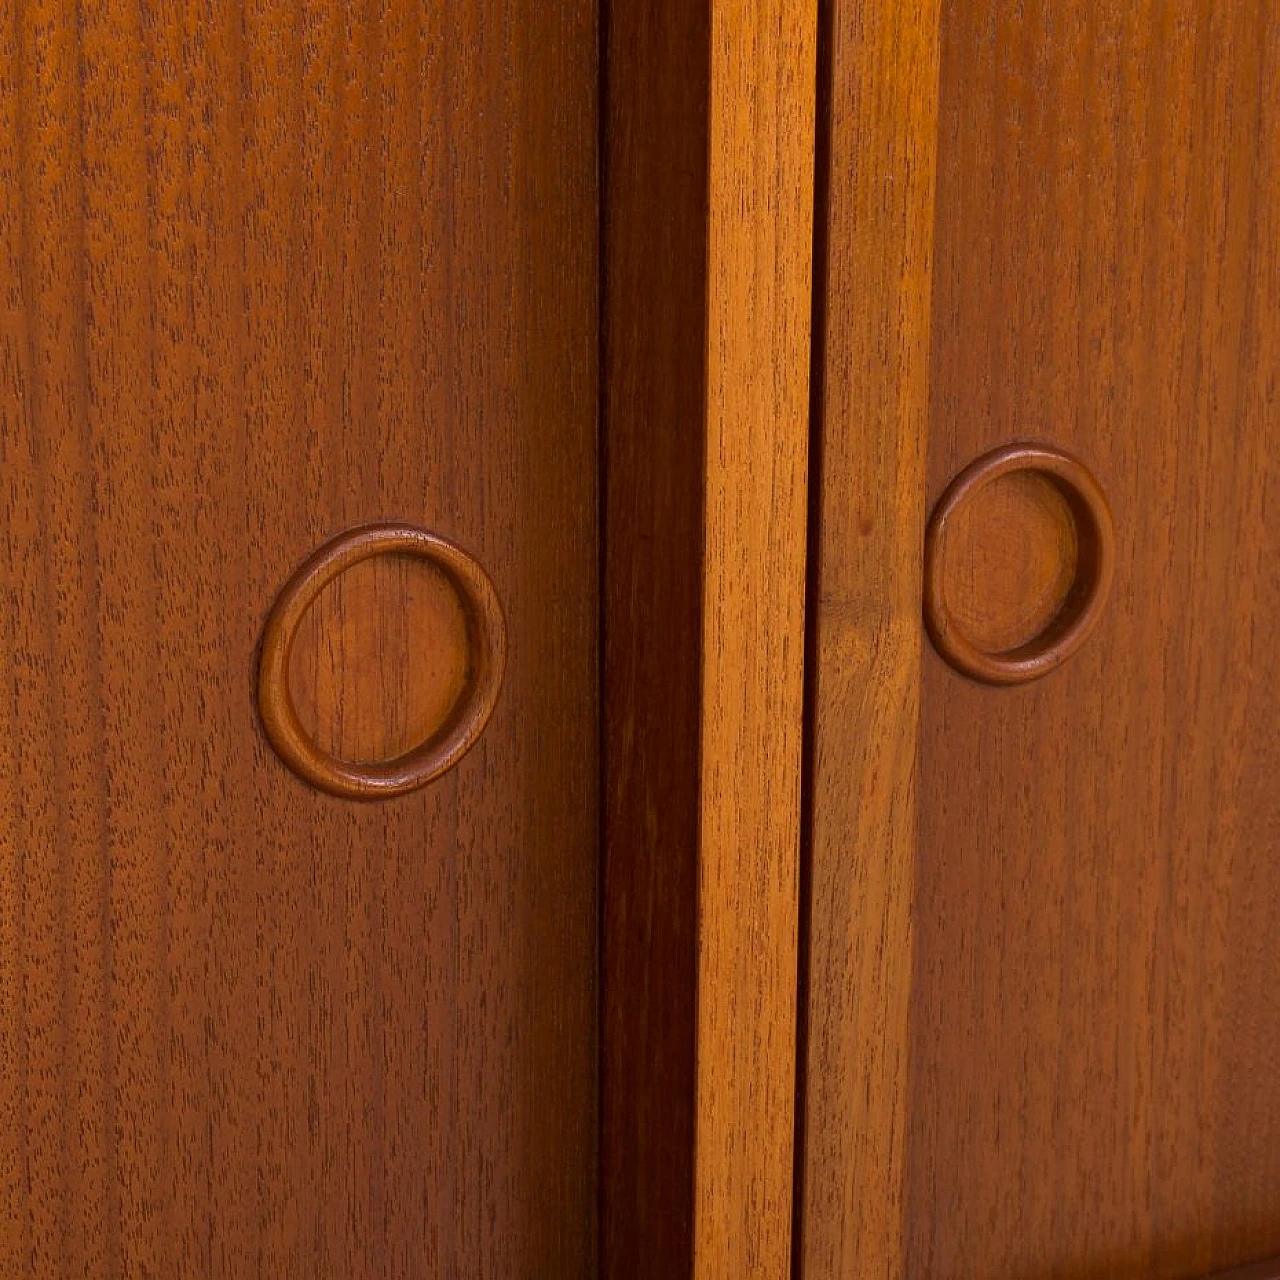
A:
708,179
876,185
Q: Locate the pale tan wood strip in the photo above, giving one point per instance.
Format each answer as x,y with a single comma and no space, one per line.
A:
760,238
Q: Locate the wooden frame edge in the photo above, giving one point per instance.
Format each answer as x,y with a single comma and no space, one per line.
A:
708,159
760,237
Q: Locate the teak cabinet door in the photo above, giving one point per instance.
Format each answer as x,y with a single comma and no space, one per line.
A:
268,271
1043,995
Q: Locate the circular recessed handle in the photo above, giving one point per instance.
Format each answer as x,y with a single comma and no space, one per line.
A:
462,723
1075,613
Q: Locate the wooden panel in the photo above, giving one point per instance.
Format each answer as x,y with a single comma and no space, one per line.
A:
876,175
708,164
268,270
1096,1021
1042,1020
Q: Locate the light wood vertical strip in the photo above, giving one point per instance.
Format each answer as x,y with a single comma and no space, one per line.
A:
877,227
653,380
760,244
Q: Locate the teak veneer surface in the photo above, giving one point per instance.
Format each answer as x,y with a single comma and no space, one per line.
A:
267,271
1043,1007
1096,1023
878,125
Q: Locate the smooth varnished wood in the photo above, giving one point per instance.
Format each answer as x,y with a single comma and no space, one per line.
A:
380,658
1096,1020
477,651
1043,1020
654,396
1009,560
875,214
1042,1015
967,591
708,241
760,246
1258,1271
1060,1059
269,271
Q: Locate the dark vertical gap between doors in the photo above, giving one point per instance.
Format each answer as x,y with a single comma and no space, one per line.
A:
822,174
654,147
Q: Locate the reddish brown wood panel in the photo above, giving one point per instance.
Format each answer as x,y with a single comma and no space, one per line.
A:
1096,1017
269,270
1042,1016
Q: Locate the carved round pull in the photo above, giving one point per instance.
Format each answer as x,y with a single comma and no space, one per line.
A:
479,657
1019,556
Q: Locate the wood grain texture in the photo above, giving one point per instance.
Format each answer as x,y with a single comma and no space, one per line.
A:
875,213
1063,1061
1009,561
473,659
760,246
1258,1271
357,673
268,270
708,241
1096,1022
1085,542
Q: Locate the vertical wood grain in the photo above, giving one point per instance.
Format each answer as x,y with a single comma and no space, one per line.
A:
1096,1021
708,241
1041,1020
760,244
876,193
268,270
